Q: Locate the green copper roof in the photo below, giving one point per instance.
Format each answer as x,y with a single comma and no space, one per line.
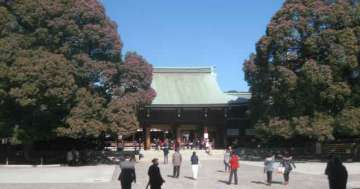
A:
190,86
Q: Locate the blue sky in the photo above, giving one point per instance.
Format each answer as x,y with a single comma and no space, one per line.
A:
194,33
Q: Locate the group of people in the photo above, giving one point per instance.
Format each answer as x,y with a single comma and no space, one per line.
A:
286,166
199,144
231,161
73,157
335,170
128,175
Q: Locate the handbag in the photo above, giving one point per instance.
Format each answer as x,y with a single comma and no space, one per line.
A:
280,170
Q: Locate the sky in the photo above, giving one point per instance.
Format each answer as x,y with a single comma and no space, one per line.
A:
194,33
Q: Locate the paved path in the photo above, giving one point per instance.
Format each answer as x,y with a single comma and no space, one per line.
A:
211,176
312,168
85,174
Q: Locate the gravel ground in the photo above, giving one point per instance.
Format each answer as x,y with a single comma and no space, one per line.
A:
211,176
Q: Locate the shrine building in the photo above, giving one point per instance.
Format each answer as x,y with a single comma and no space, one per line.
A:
190,105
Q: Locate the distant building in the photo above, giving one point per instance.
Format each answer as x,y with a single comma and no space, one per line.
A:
190,105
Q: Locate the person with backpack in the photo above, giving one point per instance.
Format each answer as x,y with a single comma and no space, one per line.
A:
288,163
127,175
194,165
234,166
269,168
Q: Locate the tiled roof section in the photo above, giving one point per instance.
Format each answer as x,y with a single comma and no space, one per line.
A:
189,86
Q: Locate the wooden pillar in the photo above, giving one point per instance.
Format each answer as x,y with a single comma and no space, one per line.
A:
220,136
225,136
147,141
195,132
178,134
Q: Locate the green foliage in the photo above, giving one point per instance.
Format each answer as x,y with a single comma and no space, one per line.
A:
348,122
305,75
61,72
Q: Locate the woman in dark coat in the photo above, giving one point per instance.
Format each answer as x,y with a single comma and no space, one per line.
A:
155,178
337,174
127,175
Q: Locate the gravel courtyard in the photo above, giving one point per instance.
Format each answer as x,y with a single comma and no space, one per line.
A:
211,175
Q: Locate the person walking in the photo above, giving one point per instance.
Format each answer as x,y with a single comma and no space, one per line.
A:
337,174
234,166
194,165
155,178
176,160
288,163
269,168
127,174
227,156
166,153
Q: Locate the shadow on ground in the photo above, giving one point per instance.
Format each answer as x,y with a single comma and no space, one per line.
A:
189,177
264,183
223,181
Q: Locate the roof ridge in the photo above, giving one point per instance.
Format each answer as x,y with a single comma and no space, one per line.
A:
208,69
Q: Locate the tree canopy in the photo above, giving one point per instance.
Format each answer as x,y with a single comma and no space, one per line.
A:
61,72
305,74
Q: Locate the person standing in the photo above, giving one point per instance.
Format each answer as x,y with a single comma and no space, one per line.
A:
157,144
194,165
166,153
70,158
210,145
76,157
176,160
177,145
337,174
127,174
227,156
207,146
234,166
288,163
155,178
269,168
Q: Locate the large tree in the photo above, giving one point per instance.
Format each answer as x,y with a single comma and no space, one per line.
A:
61,72
305,74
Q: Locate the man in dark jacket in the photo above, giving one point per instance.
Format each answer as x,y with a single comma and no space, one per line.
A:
337,174
194,165
127,175
155,178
